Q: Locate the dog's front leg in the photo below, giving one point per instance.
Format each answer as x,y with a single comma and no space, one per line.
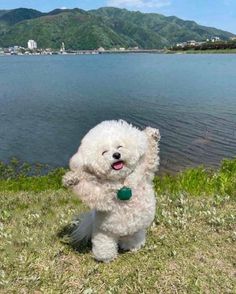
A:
104,246
133,242
95,195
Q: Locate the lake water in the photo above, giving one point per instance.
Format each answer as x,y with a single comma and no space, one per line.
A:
47,104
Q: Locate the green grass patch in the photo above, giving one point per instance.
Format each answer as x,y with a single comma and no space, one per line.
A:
51,181
190,248
19,176
200,181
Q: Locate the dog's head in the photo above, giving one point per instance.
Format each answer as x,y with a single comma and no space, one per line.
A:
111,150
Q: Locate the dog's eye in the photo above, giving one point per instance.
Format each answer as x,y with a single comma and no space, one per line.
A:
119,147
104,152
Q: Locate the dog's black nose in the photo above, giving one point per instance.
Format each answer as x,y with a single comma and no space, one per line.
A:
116,155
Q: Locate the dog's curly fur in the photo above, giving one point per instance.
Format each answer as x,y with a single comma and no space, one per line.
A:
113,222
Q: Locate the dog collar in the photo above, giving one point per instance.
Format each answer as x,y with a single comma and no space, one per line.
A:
124,193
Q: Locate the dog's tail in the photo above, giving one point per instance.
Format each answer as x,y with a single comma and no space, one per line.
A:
83,232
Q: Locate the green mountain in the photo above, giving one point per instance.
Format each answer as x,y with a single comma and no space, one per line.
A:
17,15
107,27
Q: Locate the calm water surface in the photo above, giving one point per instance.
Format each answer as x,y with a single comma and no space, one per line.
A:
47,104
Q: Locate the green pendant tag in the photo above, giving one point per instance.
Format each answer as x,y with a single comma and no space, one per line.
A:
124,193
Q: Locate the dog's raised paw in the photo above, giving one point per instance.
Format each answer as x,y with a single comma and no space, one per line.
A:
70,179
152,132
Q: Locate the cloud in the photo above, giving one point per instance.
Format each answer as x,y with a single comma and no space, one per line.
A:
138,3
63,7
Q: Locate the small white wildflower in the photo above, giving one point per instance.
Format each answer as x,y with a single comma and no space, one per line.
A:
88,291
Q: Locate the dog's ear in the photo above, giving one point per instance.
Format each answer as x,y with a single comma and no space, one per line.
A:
76,161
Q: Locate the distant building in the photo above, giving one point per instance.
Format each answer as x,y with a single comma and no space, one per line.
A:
32,45
16,49
192,43
215,39
101,49
63,49
233,38
181,44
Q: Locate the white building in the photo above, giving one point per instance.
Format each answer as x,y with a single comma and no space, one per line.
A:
181,44
101,49
215,39
32,45
191,43
63,49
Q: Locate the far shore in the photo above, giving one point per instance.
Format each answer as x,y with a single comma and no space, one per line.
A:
147,51
213,51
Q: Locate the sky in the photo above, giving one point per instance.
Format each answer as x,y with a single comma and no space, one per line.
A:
216,13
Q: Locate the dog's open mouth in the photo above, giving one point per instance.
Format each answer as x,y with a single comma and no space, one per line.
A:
118,165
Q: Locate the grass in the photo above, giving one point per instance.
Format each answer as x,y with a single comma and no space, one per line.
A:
201,181
17,176
190,246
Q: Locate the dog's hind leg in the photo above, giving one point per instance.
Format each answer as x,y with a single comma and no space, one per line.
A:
133,242
104,246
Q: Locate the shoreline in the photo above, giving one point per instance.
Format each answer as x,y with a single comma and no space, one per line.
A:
151,51
218,51
17,176
84,52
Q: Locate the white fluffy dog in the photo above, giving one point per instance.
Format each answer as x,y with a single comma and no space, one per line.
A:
112,173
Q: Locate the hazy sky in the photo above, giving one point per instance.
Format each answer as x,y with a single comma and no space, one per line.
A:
216,13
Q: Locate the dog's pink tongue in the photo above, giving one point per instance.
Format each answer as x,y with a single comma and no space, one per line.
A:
118,165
